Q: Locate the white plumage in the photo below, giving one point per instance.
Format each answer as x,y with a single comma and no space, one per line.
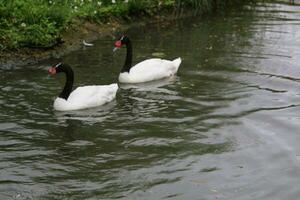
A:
149,70
82,97
87,97
145,71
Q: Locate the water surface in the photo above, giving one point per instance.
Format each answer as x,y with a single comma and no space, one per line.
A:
227,127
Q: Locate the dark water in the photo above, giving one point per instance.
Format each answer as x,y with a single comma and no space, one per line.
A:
227,127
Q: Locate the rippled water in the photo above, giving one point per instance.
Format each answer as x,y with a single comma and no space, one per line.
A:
227,127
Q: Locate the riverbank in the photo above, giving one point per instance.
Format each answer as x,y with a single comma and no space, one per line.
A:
33,31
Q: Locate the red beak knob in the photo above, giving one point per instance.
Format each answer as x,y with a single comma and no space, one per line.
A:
52,70
118,44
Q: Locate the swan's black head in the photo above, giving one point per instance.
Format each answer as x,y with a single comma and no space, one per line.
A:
60,67
121,41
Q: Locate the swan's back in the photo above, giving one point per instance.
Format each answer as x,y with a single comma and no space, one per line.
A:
151,69
87,97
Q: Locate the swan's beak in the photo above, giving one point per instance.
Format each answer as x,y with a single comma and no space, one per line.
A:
116,48
118,45
52,70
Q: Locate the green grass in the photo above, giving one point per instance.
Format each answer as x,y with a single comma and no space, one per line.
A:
40,23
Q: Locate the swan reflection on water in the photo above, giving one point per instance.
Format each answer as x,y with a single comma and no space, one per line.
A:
92,115
116,108
150,86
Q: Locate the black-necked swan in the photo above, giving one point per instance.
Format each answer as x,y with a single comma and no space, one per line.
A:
147,70
81,97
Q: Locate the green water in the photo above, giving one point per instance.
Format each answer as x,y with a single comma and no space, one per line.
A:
226,127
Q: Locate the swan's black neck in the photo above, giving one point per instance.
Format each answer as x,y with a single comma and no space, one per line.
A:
128,61
69,80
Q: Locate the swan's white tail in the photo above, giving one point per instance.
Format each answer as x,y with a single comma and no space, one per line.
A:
177,62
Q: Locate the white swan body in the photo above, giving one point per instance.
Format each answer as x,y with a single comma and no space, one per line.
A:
82,97
150,70
145,71
87,97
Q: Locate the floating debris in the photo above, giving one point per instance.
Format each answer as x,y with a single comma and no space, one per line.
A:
87,44
159,54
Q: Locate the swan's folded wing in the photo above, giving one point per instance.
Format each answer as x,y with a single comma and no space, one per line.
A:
151,69
92,96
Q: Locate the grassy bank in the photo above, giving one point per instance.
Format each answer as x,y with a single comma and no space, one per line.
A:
40,23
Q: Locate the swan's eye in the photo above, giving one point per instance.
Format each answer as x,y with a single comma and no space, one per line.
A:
118,43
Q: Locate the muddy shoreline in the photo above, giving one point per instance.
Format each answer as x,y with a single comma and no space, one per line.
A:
81,30
72,40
